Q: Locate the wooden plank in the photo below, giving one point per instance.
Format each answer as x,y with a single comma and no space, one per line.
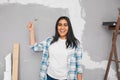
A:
15,61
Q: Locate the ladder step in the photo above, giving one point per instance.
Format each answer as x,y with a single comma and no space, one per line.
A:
112,28
117,61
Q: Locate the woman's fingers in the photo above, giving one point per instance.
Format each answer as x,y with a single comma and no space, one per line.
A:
30,26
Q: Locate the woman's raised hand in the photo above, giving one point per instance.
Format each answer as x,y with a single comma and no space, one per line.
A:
30,26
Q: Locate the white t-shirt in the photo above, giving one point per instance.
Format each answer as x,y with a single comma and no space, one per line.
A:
58,60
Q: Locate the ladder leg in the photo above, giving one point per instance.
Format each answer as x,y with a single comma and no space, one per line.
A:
116,63
110,57
108,65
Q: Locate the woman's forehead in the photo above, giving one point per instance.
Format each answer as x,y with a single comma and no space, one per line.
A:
62,21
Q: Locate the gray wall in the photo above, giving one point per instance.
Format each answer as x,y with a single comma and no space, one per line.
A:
95,34
96,37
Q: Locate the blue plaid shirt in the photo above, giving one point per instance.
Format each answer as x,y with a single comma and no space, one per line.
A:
73,60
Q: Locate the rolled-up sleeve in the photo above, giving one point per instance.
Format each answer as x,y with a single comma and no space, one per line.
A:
38,46
78,60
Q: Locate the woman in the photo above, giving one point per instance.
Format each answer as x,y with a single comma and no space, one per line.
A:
62,55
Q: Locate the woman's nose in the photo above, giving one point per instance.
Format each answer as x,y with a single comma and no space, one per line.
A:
62,26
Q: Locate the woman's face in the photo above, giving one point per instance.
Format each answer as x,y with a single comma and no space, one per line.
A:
62,28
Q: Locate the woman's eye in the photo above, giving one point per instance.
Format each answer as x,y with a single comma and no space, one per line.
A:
65,24
59,24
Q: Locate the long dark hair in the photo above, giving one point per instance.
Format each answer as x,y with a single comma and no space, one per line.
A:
71,39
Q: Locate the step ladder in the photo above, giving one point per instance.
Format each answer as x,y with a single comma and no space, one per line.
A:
113,51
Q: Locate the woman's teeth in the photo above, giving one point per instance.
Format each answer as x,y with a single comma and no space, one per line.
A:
62,30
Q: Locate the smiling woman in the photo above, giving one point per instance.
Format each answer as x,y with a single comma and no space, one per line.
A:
63,28
61,53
